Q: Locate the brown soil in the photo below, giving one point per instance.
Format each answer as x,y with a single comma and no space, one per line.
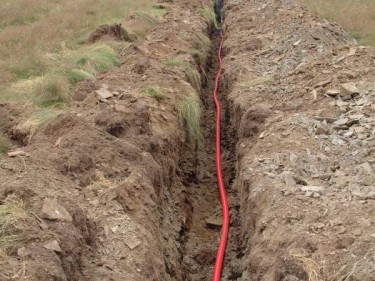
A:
305,184
114,190
115,31
111,164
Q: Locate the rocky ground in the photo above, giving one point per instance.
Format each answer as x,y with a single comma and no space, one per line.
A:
120,187
302,99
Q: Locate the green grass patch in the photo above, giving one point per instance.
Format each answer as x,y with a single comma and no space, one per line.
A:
194,78
192,74
208,14
189,112
176,62
4,144
202,47
92,59
68,67
77,75
28,68
159,11
45,91
155,93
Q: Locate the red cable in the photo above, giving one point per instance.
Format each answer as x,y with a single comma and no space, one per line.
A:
223,197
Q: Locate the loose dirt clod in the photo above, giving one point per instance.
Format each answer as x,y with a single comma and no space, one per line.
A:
115,31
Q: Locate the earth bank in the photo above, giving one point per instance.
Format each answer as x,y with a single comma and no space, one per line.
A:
301,93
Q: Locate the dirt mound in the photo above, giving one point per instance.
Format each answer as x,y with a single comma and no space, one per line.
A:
304,168
110,163
114,32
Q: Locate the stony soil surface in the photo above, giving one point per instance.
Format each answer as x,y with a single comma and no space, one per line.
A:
114,188
302,100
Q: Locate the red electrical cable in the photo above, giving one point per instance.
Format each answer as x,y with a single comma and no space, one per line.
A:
223,197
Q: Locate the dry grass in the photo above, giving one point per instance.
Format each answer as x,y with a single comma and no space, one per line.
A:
312,268
189,112
317,271
4,145
12,218
357,16
41,55
43,39
155,93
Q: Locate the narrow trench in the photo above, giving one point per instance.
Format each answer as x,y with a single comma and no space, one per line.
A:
200,238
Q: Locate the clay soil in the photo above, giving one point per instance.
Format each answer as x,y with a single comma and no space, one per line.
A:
115,188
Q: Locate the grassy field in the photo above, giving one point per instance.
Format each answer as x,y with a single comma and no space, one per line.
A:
40,51
357,16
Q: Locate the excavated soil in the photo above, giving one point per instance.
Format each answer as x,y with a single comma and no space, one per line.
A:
301,93
115,189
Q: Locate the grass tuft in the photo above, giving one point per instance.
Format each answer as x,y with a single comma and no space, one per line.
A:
208,14
4,145
70,66
176,62
154,92
92,59
194,78
191,73
44,91
37,119
12,217
189,112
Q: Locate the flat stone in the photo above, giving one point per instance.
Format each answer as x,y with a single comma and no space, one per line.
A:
359,130
319,225
359,195
52,210
333,92
342,121
341,103
341,230
368,180
349,88
322,130
316,195
357,232
323,177
366,168
325,118
312,188
348,134
103,94
336,140
23,252
132,241
53,246
293,159
288,179
214,222
309,193
371,195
